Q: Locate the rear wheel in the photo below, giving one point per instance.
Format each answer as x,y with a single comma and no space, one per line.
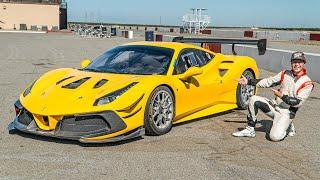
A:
244,92
159,111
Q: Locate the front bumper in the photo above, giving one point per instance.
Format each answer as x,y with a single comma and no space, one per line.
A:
78,127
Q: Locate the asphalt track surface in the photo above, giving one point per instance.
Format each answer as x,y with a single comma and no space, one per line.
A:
202,149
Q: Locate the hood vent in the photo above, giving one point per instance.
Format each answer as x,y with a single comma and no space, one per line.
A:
64,79
76,84
100,83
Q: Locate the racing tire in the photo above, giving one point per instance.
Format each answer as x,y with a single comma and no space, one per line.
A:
159,112
244,92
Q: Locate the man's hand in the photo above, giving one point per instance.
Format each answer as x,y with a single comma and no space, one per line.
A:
277,93
243,80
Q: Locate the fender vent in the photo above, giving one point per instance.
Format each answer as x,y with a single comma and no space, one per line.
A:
76,84
64,79
100,83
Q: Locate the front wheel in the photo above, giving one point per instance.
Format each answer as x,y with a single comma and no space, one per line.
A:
244,92
160,111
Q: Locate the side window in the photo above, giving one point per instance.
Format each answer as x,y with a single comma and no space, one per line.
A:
186,60
203,57
190,59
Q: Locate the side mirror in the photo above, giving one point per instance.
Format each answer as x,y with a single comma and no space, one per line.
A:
85,63
192,71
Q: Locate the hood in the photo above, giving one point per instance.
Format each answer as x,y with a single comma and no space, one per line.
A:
70,91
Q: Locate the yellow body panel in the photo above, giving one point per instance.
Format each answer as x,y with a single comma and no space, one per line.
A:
211,92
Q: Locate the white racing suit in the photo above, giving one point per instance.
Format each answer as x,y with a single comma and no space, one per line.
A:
295,90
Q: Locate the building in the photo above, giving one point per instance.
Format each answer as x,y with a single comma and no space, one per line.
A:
33,14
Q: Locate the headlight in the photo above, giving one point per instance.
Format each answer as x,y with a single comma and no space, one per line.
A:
113,96
27,91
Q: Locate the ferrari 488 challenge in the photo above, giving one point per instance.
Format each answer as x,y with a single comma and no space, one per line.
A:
136,88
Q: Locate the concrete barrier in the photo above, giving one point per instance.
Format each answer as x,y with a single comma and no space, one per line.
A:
276,59
227,33
281,35
167,38
260,34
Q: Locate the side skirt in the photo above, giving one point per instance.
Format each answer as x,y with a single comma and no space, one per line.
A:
207,112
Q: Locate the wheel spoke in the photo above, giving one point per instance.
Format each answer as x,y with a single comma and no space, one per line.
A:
157,99
156,108
165,98
163,120
154,115
167,106
159,118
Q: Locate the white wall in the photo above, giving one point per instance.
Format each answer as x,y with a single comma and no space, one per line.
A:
12,15
281,35
227,33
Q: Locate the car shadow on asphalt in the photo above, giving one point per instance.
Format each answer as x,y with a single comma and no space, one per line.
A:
265,127
205,118
74,142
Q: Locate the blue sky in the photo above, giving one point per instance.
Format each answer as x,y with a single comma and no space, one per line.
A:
265,13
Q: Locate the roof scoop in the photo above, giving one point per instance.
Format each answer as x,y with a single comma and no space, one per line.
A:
76,84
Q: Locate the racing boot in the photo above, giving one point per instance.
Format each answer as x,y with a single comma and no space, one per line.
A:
247,132
291,130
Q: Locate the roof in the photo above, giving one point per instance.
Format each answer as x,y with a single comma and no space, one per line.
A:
171,45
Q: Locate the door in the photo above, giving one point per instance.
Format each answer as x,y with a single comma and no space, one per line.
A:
198,92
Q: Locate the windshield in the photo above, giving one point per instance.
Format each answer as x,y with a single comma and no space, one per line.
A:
133,60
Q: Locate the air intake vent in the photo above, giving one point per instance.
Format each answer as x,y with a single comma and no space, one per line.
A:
223,72
64,79
100,83
76,84
227,62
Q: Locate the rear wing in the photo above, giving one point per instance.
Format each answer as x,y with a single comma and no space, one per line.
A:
261,43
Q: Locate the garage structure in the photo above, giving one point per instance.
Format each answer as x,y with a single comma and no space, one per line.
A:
33,14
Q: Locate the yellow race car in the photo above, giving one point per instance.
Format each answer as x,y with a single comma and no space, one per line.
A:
136,88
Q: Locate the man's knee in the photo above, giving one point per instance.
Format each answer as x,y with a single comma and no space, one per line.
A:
256,102
276,136
253,99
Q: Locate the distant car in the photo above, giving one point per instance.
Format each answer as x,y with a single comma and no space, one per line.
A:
132,89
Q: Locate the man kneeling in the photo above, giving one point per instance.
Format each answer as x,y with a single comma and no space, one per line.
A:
295,88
